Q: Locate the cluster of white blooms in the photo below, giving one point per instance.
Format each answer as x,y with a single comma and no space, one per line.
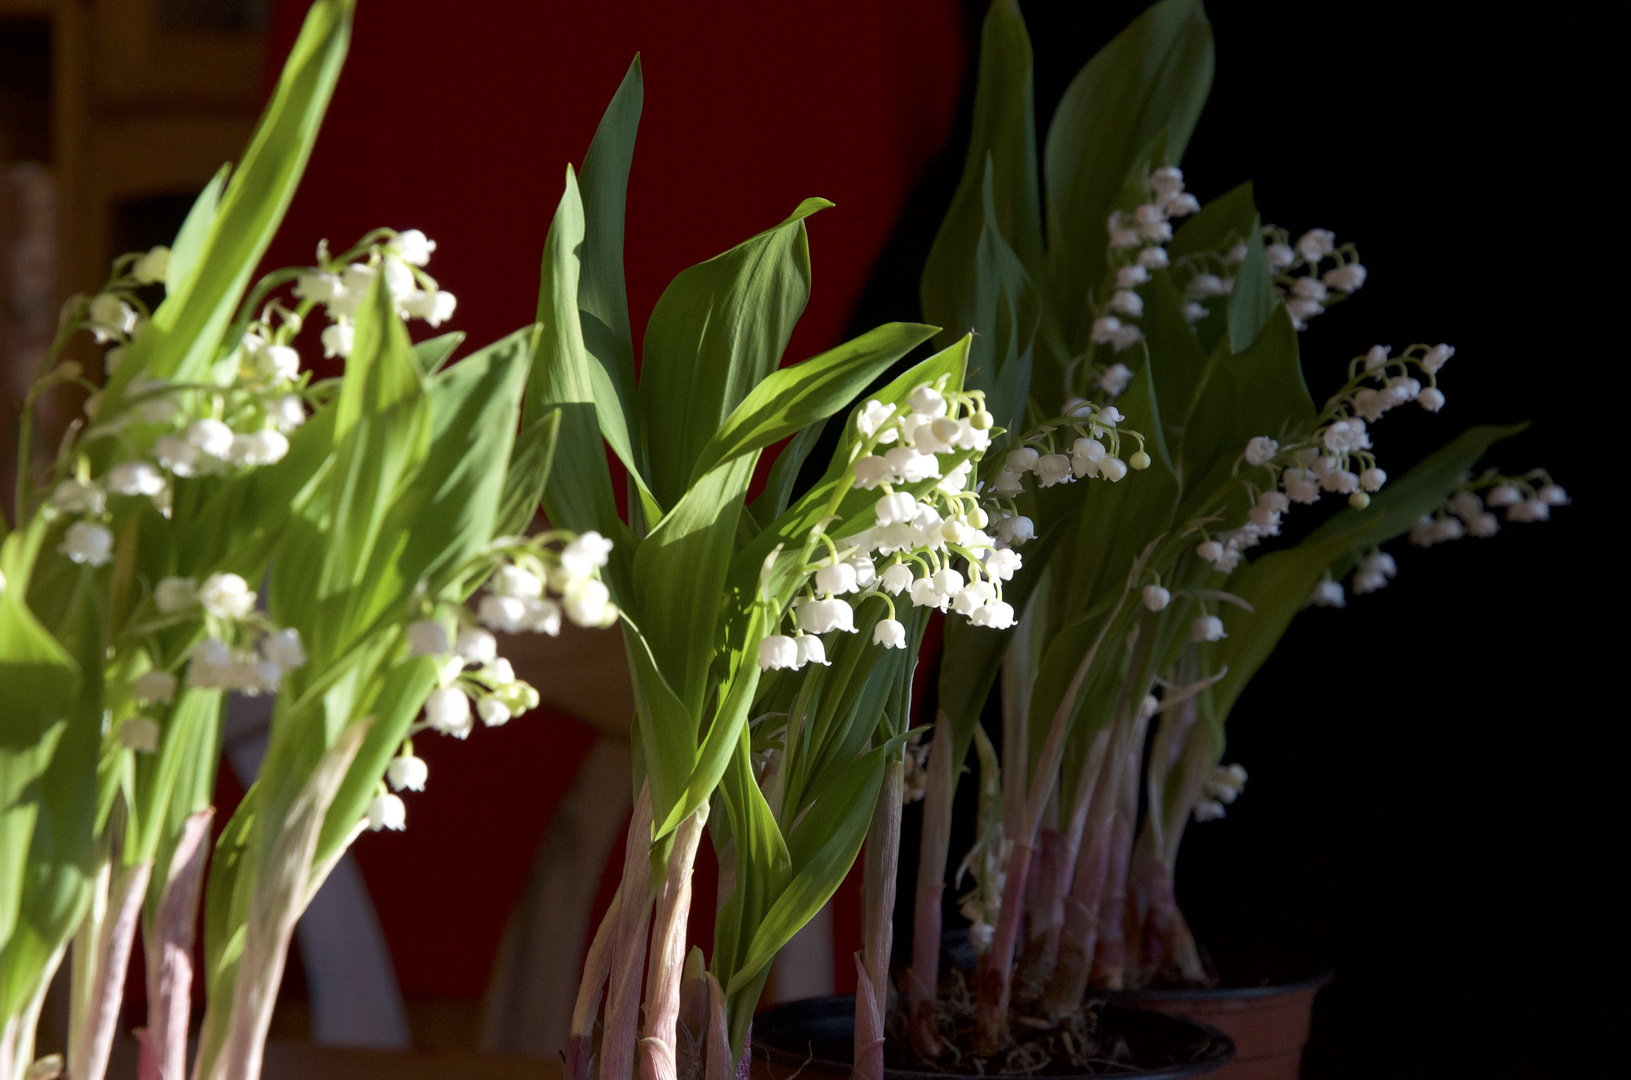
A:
340,283
1221,789
934,548
242,651
1336,458
1137,246
1306,289
1466,513
538,584
1083,444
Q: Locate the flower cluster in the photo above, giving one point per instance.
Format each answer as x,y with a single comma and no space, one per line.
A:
933,547
538,580
1306,289
341,282
241,651
1137,242
1336,458
538,584
1084,431
1221,789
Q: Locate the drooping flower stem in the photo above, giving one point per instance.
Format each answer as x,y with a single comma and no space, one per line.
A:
168,945
924,980
628,947
667,963
879,875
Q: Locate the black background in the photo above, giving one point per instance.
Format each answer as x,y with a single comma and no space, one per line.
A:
1438,772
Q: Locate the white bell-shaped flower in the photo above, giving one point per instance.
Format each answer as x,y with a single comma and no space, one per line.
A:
407,773
87,544
1156,598
135,478
811,650
387,812
821,616
493,712
838,579
284,649
156,686
890,634
226,596
427,638
447,709
778,652
1207,628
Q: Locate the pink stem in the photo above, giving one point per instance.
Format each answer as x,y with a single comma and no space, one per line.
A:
1045,908
657,1051
628,947
169,945
112,944
719,1063
580,1050
879,876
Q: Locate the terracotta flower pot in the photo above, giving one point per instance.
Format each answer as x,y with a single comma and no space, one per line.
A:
815,1036
1267,1018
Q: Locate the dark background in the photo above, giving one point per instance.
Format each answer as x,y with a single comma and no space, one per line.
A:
1438,771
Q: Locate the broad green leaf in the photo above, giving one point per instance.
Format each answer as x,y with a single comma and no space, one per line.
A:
665,730
1225,221
821,851
1005,313
38,676
195,232
717,331
1256,392
1177,361
793,397
579,494
432,353
1252,300
603,304
679,579
1153,76
999,181
56,876
527,475
772,501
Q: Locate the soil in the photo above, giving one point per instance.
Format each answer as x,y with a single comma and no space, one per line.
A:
1086,1042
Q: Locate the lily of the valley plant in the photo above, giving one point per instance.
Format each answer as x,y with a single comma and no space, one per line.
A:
372,507
771,642
1138,313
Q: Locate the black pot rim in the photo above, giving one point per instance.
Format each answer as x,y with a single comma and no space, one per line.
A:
1226,993
1219,1053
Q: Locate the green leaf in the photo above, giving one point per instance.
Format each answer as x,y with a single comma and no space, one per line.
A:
1153,77
772,501
792,398
1259,391
527,475
998,190
195,232
1177,361
579,494
1225,221
1005,313
432,353
186,330
603,304
1253,299
39,677
717,331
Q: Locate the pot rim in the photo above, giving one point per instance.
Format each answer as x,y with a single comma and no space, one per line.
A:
1219,1053
1314,982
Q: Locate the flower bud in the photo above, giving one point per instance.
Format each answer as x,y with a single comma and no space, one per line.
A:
1156,598
1140,460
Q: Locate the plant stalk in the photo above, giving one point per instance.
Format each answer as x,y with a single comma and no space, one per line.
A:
923,981
878,882
169,953
618,1035
580,1050
667,964
107,942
